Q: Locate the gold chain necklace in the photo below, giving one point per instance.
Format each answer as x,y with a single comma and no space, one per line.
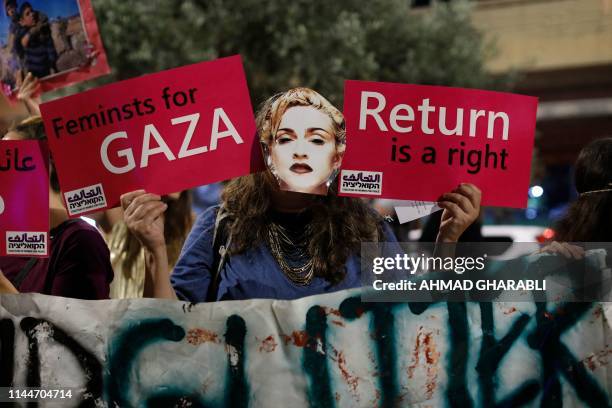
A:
282,247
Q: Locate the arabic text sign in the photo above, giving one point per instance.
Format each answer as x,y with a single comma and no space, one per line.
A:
425,140
24,198
163,132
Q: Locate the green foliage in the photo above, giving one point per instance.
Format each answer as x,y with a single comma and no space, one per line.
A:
310,43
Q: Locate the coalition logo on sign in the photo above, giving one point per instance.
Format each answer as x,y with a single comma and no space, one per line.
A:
363,182
85,199
26,243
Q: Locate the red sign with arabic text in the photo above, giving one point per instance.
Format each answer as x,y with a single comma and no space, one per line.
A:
24,198
417,142
163,132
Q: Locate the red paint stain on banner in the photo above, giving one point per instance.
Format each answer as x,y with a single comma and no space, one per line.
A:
598,359
297,338
375,373
510,311
598,312
268,345
377,396
425,353
199,336
332,311
351,380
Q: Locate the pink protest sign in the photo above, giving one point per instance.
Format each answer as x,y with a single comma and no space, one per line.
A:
24,198
417,142
163,132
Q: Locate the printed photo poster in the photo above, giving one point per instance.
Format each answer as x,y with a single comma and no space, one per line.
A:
415,142
55,40
163,132
24,198
303,143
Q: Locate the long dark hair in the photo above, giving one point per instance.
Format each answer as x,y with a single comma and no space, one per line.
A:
589,218
339,224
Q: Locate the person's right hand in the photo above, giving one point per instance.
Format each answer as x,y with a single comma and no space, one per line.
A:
143,214
461,208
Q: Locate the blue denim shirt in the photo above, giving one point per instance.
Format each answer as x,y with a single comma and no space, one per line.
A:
249,275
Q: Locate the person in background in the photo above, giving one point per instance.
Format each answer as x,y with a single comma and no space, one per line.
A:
79,263
106,221
13,77
128,255
33,42
10,8
204,197
589,218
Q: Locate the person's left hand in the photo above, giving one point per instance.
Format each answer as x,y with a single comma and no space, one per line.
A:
461,208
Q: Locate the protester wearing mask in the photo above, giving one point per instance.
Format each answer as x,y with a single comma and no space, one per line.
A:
280,244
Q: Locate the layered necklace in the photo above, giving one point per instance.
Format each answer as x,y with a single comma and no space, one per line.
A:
291,252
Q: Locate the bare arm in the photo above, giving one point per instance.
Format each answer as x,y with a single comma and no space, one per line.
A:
29,94
157,275
6,286
144,217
